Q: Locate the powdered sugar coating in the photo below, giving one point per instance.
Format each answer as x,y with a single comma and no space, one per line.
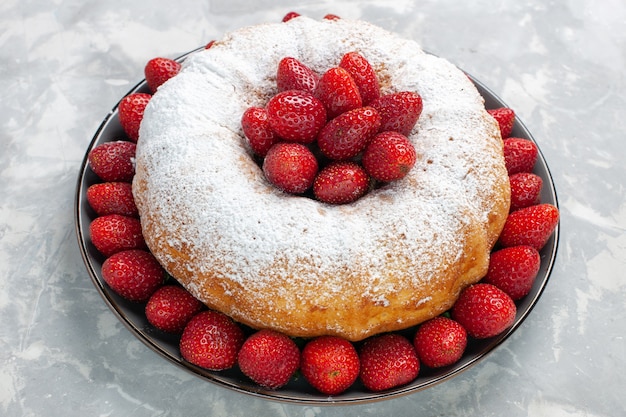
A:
271,259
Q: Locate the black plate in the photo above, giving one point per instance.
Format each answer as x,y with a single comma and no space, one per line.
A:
297,391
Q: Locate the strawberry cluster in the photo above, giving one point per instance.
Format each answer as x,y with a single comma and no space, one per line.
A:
330,364
333,134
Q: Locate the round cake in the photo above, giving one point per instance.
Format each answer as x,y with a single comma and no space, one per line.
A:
390,260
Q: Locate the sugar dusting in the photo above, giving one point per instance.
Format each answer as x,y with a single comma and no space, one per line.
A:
211,200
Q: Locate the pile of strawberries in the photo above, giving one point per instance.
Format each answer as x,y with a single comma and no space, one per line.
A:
330,364
332,133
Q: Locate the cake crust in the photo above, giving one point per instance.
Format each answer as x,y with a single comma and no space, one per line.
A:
391,260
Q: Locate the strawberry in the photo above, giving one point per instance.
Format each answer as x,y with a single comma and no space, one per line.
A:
338,91
530,226
389,156
514,270
330,364
211,340
331,16
112,198
347,134
130,111
399,112
291,167
484,310
388,361
340,183
134,274
525,189
296,115
158,70
289,16
505,118
440,342
294,75
257,130
363,75
269,358
520,155
171,307
113,161
114,233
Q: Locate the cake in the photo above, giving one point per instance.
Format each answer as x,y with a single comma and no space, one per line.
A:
392,259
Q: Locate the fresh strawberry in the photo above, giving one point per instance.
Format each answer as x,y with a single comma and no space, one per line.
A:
115,233
291,167
257,130
112,198
171,307
134,274
388,361
158,70
514,270
525,190
331,16
113,161
269,358
520,155
340,183
389,156
211,340
294,75
289,16
399,112
338,91
130,111
484,310
530,226
363,75
440,342
330,364
296,115
505,118
346,135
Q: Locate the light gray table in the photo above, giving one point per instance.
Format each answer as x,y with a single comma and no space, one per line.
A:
64,64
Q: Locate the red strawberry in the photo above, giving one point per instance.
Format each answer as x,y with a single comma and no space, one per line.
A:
340,183
440,341
291,167
130,111
514,270
505,118
363,75
290,16
158,70
389,156
171,307
525,189
331,16
338,91
330,364
520,155
114,233
112,198
484,310
294,75
269,358
134,274
530,226
296,115
347,134
388,361
211,340
113,161
257,130
399,112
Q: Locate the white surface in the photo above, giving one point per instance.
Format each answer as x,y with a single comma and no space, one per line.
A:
63,65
